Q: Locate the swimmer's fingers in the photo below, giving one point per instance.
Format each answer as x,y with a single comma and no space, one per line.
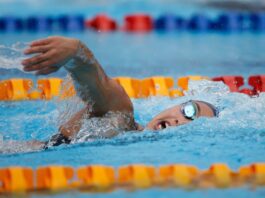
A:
41,42
37,49
36,59
47,70
39,66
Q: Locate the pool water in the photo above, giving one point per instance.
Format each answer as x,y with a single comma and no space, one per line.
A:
236,137
167,54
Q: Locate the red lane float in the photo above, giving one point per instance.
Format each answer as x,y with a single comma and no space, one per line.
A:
102,23
257,82
138,23
248,91
233,82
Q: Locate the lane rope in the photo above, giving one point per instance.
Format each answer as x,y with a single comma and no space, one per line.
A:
18,89
101,178
138,22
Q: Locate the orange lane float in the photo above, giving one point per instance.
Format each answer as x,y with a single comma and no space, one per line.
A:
138,176
179,175
131,86
153,86
253,174
15,89
96,176
100,178
157,86
16,179
67,90
183,82
49,87
218,175
54,177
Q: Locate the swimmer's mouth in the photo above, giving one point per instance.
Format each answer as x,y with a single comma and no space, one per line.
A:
162,125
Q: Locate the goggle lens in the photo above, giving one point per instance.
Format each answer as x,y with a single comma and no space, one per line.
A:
189,110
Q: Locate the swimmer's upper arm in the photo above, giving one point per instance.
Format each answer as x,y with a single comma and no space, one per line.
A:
117,97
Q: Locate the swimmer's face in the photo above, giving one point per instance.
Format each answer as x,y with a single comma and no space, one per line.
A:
176,115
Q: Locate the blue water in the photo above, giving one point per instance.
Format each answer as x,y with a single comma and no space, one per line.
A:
237,137
169,54
116,9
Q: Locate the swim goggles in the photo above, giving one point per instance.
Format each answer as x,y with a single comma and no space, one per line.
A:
190,110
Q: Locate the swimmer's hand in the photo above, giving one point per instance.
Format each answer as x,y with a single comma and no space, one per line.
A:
51,54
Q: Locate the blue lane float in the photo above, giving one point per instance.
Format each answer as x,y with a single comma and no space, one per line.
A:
240,22
170,22
11,24
199,22
71,23
40,23
257,21
230,22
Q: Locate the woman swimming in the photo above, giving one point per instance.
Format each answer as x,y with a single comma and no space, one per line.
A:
103,96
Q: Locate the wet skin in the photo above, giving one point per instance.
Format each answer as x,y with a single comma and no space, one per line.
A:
174,117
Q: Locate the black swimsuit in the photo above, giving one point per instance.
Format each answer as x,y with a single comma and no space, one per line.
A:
126,123
56,140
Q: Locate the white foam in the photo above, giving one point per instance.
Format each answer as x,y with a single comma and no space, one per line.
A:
11,56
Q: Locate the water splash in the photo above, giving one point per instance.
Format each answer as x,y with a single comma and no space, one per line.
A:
11,56
241,117
67,108
236,109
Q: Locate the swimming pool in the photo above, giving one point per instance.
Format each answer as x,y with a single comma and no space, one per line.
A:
235,138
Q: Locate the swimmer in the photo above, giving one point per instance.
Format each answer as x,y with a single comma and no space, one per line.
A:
103,96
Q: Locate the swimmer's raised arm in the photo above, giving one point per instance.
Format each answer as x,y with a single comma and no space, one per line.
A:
101,93
92,84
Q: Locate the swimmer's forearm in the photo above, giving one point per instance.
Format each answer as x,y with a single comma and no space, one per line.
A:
94,86
84,65
89,77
